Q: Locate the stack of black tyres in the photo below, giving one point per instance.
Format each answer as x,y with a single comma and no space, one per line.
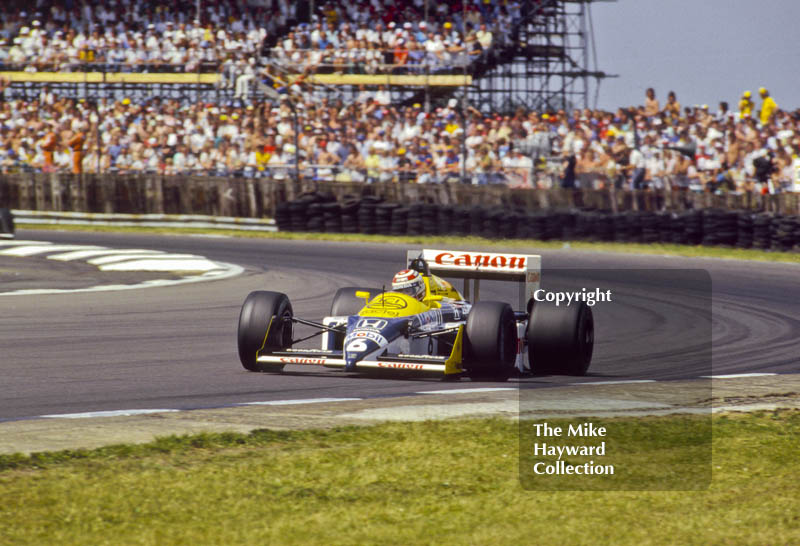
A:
366,215
649,221
414,221
444,220
784,233
534,226
719,227
566,219
297,213
350,215
678,226
332,215
283,216
634,227
664,226
693,226
491,223
314,215
744,229
508,224
461,222
7,222
762,236
430,225
320,212
476,215
400,220
602,226
383,217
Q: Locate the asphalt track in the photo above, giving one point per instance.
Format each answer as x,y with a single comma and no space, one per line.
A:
175,347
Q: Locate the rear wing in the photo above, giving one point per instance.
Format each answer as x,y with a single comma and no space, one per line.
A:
526,269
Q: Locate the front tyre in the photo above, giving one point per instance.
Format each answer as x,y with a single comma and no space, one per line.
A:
560,338
490,341
265,325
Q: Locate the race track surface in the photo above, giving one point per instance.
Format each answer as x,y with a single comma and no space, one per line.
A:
175,347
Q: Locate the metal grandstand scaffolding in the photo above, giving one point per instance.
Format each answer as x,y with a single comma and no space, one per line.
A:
548,65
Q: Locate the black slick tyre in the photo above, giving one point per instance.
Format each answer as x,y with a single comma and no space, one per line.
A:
560,338
264,325
490,341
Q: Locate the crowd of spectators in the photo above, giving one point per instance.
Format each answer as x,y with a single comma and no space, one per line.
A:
378,37
372,140
140,35
753,147
227,35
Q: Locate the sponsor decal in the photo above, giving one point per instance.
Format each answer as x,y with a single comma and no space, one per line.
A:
401,365
367,334
488,261
301,360
371,324
388,301
434,316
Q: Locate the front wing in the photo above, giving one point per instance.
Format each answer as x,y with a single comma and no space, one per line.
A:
447,365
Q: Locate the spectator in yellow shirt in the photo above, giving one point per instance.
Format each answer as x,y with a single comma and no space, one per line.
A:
746,105
768,106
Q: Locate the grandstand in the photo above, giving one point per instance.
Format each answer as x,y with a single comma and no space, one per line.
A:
368,91
499,56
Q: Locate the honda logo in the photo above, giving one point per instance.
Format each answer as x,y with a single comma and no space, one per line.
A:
372,324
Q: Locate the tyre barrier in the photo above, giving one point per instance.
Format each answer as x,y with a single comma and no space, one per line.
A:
7,228
319,212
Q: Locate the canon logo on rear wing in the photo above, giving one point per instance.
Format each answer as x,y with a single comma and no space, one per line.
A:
479,261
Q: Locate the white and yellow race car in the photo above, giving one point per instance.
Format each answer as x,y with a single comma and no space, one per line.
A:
443,332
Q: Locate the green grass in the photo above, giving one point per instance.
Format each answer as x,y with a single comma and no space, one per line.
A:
447,482
477,242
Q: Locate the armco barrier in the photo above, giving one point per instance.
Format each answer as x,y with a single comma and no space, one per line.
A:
314,211
144,220
259,197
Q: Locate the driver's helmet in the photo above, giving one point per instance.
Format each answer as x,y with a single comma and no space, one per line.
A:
409,282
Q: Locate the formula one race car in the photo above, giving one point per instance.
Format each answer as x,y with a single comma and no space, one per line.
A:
435,331
6,224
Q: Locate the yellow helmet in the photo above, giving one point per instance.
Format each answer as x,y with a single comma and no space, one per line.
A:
746,94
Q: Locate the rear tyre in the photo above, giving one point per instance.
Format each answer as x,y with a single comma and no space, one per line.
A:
490,341
264,325
6,222
560,339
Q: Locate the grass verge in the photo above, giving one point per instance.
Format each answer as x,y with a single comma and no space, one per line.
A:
628,248
446,482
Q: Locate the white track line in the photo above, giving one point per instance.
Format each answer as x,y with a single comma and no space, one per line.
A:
99,251
111,413
17,242
32,250
295,402
102,260
465,391
222,271
623,382
736,375
169,263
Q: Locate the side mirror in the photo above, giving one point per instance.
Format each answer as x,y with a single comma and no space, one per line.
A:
364,295
433,297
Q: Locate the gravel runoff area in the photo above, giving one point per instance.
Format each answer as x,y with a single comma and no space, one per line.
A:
631,399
